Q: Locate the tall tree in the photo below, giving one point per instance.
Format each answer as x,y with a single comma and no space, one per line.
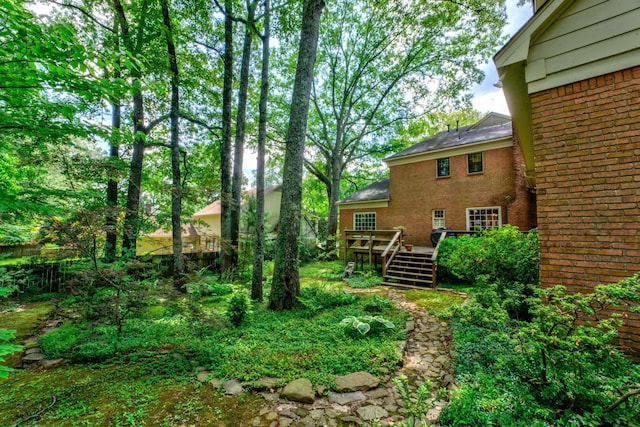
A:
380,63
258,241
240,129
227,256
176,190
285,286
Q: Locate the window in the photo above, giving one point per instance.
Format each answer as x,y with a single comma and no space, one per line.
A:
437,216
364,221
474,163
484,218
443,168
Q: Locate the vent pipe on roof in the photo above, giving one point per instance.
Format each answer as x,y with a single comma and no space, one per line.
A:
457,123
448,127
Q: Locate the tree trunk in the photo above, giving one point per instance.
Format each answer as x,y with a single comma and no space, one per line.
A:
227,256
131,217
239,140
258,250
176,190
285,287
334,196
111,220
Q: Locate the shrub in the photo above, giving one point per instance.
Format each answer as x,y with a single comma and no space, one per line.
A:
238,308
5,336
560,368
205,289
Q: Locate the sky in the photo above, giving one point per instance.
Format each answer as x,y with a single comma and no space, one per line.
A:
487,97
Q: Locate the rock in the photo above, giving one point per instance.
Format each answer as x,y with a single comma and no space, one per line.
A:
344,398
232,387
410,326
356,381
301,412
351,420
371,412
321,390
299,391
203,375
378,393
215,383
33,357
285,422
289,414
34,349
270,397
200,368
271,416
51,363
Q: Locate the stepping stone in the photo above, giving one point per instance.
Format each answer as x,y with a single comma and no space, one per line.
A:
370,413
51,363
203,375
232,387
299,390
356,382
344,398
33,357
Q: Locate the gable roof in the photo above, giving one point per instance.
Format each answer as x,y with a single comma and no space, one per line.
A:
378,191
215,208
492,127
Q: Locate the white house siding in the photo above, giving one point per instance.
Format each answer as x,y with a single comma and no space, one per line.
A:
589,38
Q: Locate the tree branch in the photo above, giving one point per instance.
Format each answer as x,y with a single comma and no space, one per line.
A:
85,13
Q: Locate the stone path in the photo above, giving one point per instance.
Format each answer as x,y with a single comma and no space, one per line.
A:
426,358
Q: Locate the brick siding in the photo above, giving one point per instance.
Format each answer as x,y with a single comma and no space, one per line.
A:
587,150
415,192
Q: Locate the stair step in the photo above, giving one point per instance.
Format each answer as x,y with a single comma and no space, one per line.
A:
428,282
410,262
405,285
409,267
414,256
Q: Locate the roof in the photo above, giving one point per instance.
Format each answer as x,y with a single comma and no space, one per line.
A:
187,231
492,127
215,208
379,190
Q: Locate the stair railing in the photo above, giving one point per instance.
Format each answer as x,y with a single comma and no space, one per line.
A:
394,247
434,256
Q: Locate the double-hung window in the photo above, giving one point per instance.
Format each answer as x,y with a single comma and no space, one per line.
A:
437,218
474,163
443,168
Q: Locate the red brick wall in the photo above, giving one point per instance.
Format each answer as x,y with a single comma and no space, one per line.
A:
415,192
587,154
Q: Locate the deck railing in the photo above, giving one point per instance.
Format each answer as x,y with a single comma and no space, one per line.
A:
368,242
393,247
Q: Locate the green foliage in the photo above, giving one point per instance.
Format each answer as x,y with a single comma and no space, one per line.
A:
501,261
6,336
316,298
366,324
238,308
560,368
377,304
436,302
205,289
364,280
416,404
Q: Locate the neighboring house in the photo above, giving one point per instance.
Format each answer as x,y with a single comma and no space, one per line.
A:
160,241
207,219
461,178
204,234
571,77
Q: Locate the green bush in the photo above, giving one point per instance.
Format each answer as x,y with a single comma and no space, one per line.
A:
238,308
206,289
365,324
503,263
560,368
5,336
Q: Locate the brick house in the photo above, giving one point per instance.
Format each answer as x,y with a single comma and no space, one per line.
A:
460,178
571,77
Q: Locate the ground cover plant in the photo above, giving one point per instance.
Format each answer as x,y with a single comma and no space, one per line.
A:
532,357
151,353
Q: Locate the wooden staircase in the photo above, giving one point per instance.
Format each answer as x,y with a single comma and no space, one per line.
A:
410,269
